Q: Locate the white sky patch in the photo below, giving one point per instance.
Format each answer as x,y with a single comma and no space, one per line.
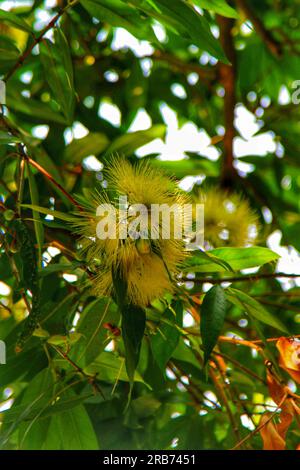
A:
159,32
259,145
6,405
26,77
110,347
187,183
206,286
25,93
243,168
246,28
76,319
146,65
70,277
245,122
91,163
43,17
175,415
4,289
250,144
247,423
110,112
178,90
102,35
284,96
77,131
50,3
267,215
211,397
188,320
170,374
9,4
289,261
46,258
89,101
215,31
192,78
111,76
178,141
53,251
40,132
141,122
7,392
204,58
124,40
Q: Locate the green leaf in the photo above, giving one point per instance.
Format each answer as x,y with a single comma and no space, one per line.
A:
92,144
63,340
121,14
75,429
181,168
213,311
165,341
254,308
6,138
211,258
186,21
236,258
9,54
29,279
14,20
33,108
133,327
59,267
39,393
95,314
23,412
218,6
65,56
111,368
44,210
128,143
57,64
145,406
38,227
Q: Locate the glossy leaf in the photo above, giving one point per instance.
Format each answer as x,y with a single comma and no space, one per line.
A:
213,311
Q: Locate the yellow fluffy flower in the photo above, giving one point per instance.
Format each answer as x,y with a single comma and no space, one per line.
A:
228,219
147,265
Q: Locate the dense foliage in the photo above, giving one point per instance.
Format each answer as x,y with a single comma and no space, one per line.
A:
213,364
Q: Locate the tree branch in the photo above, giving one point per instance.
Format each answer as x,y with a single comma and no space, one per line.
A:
227,79
50,178
241,278
37,40
183,66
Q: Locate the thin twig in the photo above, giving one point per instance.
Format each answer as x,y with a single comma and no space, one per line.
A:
50,178
250,277
239,365
79,370
183,66
261,426
220,389
228,80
